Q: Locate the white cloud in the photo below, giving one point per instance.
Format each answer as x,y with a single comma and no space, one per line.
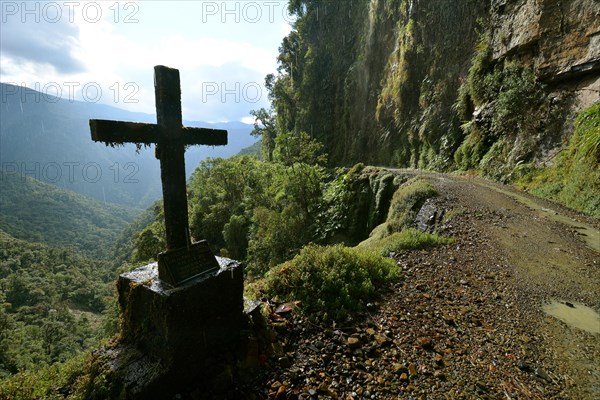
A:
247,120
114,55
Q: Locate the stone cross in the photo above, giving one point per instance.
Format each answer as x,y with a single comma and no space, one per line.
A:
170,137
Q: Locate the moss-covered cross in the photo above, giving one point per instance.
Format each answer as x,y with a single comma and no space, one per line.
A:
171,137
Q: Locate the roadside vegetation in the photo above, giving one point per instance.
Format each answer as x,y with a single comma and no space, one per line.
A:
331,282
574,179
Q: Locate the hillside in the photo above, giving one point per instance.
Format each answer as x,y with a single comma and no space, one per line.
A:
439,84
38,212
48,138
50,303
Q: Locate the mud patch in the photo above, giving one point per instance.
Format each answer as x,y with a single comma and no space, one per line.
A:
574,314
589,234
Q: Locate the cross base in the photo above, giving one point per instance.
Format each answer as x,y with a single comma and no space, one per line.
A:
192,318
173,337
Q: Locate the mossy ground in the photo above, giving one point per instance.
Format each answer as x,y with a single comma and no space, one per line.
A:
408,239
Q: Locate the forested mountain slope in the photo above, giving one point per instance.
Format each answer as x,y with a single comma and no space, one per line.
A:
38,212
48,138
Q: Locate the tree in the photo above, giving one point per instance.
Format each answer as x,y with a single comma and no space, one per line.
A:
292,149
264,127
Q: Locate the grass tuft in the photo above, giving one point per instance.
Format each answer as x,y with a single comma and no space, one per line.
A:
406,203
409,239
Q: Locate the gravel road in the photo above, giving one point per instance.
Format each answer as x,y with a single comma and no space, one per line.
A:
470,320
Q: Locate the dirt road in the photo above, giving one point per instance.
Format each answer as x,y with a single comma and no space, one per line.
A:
509,310
552,256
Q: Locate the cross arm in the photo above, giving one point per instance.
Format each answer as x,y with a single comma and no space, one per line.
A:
124,132
136,132
205,136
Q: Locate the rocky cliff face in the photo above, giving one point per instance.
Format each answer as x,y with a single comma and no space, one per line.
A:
442,84
492,86
559,40
432,45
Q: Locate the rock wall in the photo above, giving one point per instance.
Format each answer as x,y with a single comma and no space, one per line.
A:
446,84
559,40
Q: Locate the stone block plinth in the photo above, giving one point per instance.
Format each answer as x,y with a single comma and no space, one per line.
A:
185,324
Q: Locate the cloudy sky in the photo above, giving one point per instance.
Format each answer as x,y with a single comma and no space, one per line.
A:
105,51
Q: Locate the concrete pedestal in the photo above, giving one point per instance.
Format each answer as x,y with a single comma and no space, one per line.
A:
188,331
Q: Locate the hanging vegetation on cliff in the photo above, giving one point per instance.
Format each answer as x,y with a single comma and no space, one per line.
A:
438,84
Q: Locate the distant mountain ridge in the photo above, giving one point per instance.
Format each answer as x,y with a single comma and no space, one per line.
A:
48,138
34,211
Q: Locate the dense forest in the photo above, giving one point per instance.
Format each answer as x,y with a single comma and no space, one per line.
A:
51,303
58,264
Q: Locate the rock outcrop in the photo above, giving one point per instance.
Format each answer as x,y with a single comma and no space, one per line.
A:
559,40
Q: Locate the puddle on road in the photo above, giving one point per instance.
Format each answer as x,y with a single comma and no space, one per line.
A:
574,314
589,234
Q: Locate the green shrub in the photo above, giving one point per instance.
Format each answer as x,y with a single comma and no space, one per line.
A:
409,239
331,281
